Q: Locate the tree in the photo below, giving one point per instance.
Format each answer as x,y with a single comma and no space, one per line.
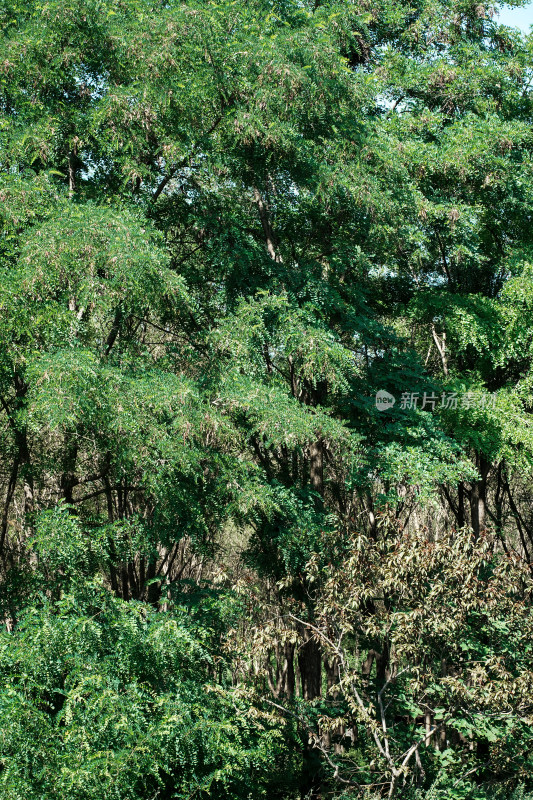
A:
225,227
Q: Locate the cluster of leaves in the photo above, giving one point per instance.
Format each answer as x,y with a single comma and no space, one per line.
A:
107,698
452,700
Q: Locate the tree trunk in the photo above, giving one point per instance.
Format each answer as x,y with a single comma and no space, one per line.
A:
310,666
478,496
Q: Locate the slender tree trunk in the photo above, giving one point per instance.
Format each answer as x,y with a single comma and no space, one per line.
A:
310,666
68,478
72,169
264,216
478,496
7,505
461,517
289,670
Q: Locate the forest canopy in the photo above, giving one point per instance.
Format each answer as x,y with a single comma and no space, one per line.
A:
266,389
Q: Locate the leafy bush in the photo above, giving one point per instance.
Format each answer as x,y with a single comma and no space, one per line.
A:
103,698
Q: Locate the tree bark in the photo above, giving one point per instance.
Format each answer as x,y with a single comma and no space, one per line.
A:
478,496
264,216
310,666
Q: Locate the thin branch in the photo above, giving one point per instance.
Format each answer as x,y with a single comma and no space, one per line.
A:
184,161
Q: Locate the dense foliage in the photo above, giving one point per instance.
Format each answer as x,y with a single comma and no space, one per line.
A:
227,230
